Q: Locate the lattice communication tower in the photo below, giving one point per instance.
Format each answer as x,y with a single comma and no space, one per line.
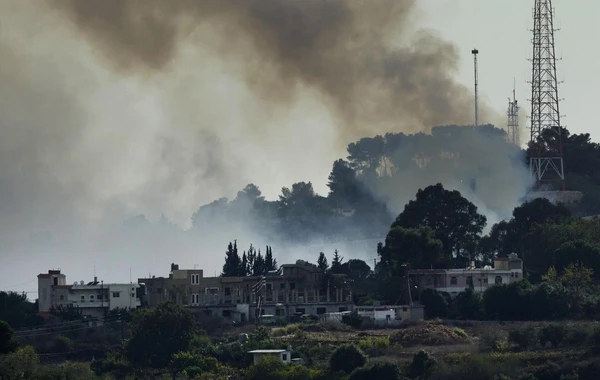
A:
512,125
546,156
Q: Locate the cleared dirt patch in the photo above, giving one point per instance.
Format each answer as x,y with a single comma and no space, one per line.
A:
429,334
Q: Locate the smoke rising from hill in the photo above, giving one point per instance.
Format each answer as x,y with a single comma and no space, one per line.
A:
115,108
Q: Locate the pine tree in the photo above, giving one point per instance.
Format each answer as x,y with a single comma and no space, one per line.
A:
270,262
244,268
259,265
336,263
322,262
251,260
233,263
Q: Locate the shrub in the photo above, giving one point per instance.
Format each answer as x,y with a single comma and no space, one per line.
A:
353,319
374,346
383,371
554,334
8,343
577,335
460,332
492,341
346,358
524,337
62,344
422,365
269,368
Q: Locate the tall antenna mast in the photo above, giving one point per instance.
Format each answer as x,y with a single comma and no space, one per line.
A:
475,52
512,125
545,145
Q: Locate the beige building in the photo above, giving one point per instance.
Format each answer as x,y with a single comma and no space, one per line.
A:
453,281
299,288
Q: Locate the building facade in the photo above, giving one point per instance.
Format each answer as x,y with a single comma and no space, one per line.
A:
299,288
94,299
453,281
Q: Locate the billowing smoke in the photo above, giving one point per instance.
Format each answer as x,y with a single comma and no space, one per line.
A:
114,108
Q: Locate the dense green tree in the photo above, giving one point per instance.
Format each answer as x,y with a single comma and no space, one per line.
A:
8,342
468,305
322,262
355,270
17,311
336,263
435,303
453,218
270,262
419,247
157,334
233,263
344,188
346,358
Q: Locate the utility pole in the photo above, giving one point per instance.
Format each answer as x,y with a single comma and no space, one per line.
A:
545,160
475,52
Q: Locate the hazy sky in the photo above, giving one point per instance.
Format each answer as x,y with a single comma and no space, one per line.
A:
117,124
501,32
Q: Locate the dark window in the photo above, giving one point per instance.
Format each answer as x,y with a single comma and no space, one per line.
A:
279,312
226,313
342,309
292,286
227,291
301,311
55,280
453,281
282,286
284,357
498,280
321,310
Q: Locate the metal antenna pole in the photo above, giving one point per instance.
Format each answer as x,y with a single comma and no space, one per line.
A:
512,125
475,52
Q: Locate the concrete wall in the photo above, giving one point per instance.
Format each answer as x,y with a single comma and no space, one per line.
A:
123,296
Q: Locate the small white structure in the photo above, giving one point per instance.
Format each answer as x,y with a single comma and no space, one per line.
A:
283,355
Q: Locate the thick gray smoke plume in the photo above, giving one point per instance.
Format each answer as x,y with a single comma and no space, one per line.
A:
356,54
114,108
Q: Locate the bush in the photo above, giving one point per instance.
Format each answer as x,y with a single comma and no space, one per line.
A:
346,358
382,371
62,344
270,368
422,365
353,320
374,346
8,343
524,337
460,332
493,342
554,334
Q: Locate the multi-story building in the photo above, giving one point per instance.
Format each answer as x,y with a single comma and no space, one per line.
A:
453,281
94,299
299,288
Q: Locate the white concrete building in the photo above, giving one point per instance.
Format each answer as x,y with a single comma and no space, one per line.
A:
283,355
94,299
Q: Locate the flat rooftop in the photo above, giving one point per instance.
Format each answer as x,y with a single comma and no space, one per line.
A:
267,351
